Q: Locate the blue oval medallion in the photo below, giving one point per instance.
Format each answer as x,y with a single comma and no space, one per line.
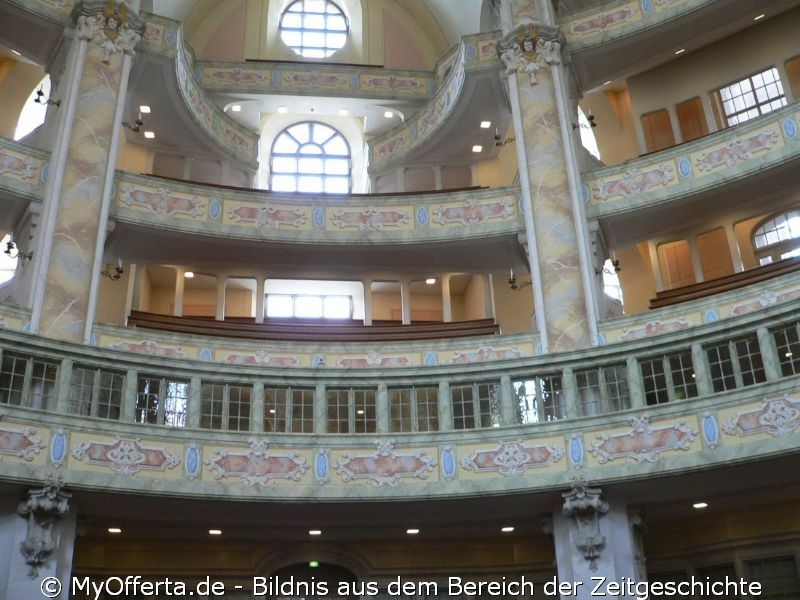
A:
685,167
215,209
647,6
430,359
172,36
710,316
472,52
318,360
45,172
585,193
205,355
448,463
192,462
576,451
790,128
319,217
321,466
710,430
354,81
422,215
58,448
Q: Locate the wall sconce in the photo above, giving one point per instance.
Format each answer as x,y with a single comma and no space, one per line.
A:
136,127
118,271
15,251
40,95
512,281
499,141
591,124
615,268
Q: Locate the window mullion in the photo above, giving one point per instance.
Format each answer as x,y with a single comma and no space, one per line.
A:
95,393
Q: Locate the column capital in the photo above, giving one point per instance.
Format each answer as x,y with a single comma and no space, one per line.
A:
42,507
114,26
530,47
586,505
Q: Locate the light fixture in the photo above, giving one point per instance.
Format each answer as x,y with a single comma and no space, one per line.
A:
114,530
681,51
15,251
388,114
591,125
499,141
512,281
360,411
16,53
607,82
314,532
215,532
149,135
412,531
40,96
430,281
507,529
477,148
608,271
144,109
118,271
759,17
188,274
236,108
700,505
282,109
486,124
787,355
343,112
136,126
313,564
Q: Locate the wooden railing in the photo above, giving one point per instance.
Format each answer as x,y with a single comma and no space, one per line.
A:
313,330
724,284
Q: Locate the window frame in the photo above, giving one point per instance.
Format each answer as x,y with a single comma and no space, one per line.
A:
164,413
417,421
96,389
289,410
735,118
25,394
348,402
226,404
313,51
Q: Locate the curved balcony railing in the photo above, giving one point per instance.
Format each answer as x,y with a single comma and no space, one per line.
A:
716,160
23,170
161,424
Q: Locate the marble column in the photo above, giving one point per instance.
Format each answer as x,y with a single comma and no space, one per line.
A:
555,223
37,538
447,304
595,538
77,198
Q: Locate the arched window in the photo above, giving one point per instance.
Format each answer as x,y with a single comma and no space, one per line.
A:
33,113
314,28
7,264
587,134
310,157
778,237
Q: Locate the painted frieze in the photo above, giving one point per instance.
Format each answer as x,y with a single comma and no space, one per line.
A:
512,458
385,466
643,442
20,442
776,417
258,465
125,456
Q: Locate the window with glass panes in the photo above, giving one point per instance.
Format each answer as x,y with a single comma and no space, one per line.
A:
668,378
603,390
735,363
752,96
309,307
539,399
161,401
351,410
225,406
28,381
96,392
289,410
475,405
778,238
787,343
414,409
779,576
310,157
313,28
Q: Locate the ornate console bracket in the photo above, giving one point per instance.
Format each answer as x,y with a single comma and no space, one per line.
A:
113,26
586,505
530,48
42,508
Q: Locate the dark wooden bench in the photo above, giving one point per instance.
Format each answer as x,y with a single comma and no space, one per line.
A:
724,284
313,330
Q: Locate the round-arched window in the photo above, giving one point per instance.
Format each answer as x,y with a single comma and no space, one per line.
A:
33,113
314,28
778,237
310,157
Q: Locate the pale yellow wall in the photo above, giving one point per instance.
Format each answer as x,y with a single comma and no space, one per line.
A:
636,278
615,132
132,157
111,299
238,303
514,308
17,81
474,299
162,300
384,304
501,171
145,291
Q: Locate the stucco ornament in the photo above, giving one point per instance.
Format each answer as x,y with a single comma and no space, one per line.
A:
529,49
112,26
42,508
586,505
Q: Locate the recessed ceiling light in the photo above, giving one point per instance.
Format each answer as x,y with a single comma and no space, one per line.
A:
114,530
759,17
343,112
412,531
388,114
144,109
788,355
149,135
272,411
681,51
282,109
477,148
314,532
486,124
215,532
430,280
188,274
236,108
360,411
313,564
15,52
700,505
607,82
507,529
